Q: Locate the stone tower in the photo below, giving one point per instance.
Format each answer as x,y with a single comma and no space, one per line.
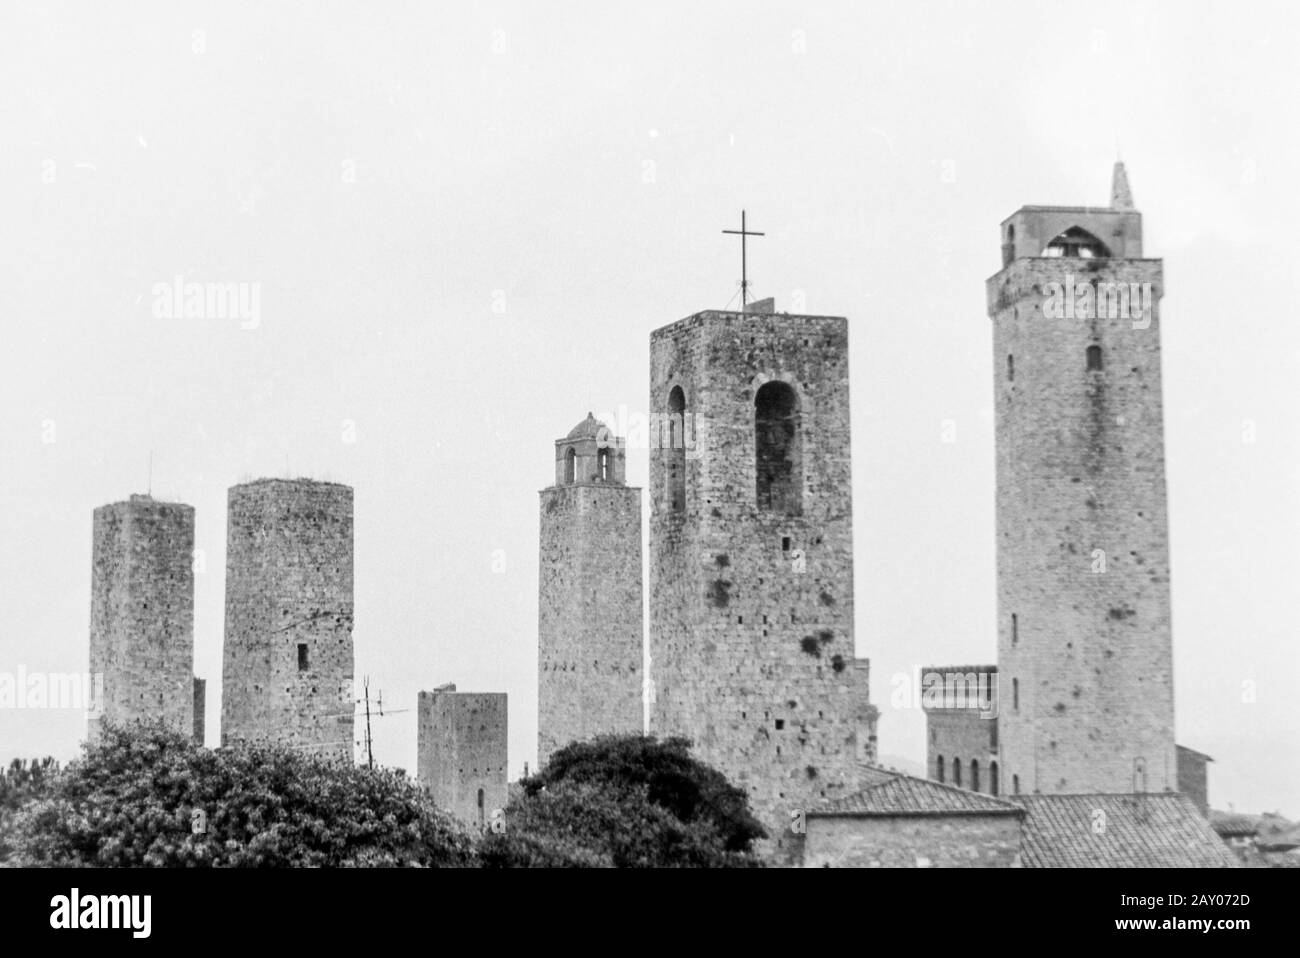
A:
1084,643
589,634
462,751
288,668
142,613
751,555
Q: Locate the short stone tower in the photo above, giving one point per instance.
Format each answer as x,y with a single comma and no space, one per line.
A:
462,751
142,613
589,633
288,666
1084,642
751,555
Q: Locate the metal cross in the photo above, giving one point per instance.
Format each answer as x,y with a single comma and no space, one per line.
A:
744,273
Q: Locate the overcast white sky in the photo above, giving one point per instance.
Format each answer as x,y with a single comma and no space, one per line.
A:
465,221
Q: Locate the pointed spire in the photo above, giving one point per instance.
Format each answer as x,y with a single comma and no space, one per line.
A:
1121,197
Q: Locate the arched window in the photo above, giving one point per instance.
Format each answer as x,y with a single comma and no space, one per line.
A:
778,464
974,775
939,768
993,778
481,809
675,450
602,465
1015,629
570,466
1078,243
1015,784
1015,693
956,771
1094,358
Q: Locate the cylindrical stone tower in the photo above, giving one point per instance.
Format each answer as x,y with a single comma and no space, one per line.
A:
288,666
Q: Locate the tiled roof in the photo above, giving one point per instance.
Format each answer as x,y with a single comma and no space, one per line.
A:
1119,831
895,793
1233,823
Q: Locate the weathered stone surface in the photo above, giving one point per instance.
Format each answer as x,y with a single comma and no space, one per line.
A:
590,624
1083,545
462,752
288,663
751,578
142,612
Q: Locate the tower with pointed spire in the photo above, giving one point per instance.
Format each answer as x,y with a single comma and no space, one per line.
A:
590,623
1084,640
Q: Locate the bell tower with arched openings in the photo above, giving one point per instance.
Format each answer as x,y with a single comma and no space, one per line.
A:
751,555
1084,641
589,634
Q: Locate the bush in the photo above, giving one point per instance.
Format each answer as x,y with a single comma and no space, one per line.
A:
133,797
625,801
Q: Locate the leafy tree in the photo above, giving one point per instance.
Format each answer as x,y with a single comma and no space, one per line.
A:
147,795
625,801
22,782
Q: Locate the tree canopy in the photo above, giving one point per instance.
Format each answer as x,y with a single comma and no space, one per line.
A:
150,796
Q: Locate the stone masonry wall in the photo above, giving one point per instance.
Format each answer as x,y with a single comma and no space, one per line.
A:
589,668
142,612
462,749
288,659
751,629
1083,546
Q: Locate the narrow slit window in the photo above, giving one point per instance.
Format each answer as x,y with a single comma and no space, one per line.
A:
302,656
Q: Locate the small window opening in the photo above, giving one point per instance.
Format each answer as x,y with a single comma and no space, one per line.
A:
1094,358
302,656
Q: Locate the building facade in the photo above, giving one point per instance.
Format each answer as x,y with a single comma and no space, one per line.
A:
462,752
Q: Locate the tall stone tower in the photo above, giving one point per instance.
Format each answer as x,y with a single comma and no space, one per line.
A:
589,634
751,555
462,751
1084,643
142,613
288,668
